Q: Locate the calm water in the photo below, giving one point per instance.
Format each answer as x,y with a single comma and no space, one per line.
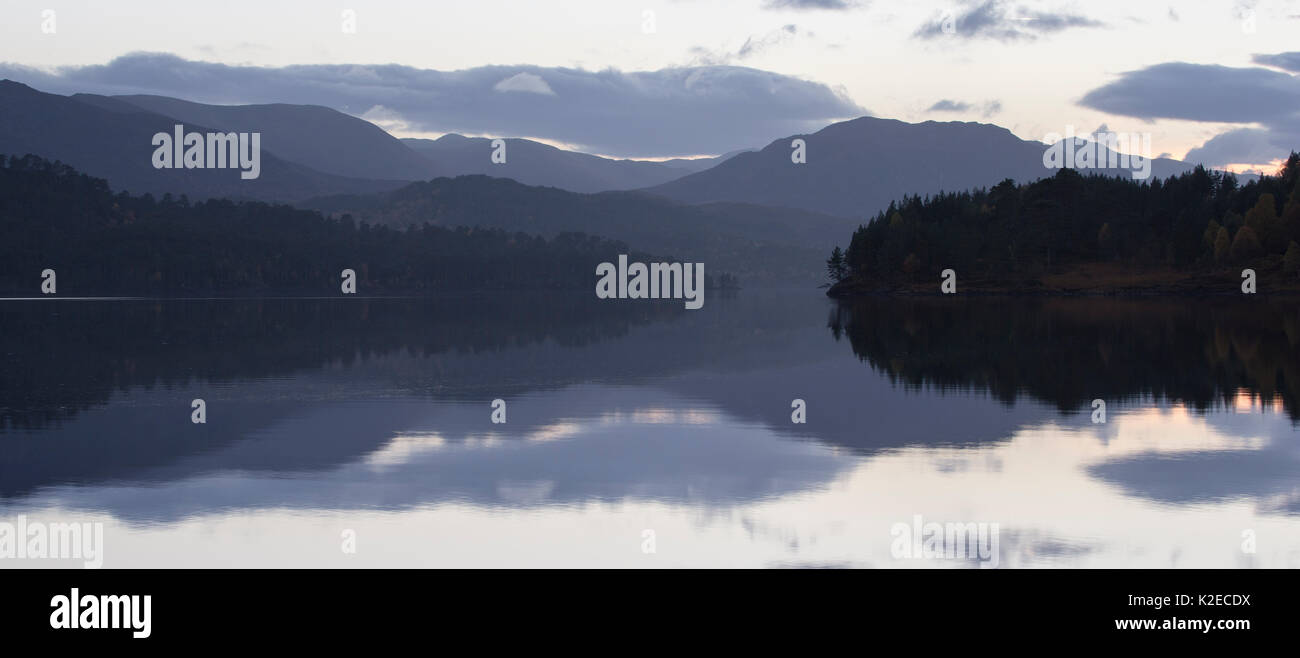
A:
638,426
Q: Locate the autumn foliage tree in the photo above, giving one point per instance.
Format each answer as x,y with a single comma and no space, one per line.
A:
1222,243
1245,246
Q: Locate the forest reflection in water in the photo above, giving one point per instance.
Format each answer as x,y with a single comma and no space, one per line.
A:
375,415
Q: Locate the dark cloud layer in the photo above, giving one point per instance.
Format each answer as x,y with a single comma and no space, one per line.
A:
676,111
1244,145
1000,21
1285,61
1219,94
986,109
1199,92
946,105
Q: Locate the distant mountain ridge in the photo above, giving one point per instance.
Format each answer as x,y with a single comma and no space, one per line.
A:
321,138
106,138
855,168
534,163
313,150
756,243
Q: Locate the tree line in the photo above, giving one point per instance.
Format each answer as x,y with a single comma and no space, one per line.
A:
1196,222
103,243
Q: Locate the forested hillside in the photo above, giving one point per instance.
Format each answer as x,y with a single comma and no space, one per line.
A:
1076,232
99,242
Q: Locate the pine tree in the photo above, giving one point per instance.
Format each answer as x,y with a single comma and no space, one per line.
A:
836,267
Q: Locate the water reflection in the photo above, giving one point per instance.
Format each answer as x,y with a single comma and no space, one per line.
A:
374,416
1071,351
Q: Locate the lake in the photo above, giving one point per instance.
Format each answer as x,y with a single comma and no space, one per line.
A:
359,432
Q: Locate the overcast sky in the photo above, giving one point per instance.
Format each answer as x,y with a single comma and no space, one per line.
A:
1216,80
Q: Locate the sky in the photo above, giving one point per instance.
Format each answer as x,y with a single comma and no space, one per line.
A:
1213,81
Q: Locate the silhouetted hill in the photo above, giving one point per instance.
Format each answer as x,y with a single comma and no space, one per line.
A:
105,138
758,244
534,163
855,168
101,243
318,137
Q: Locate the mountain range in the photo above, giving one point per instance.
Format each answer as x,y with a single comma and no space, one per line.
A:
755,213
112,139
856,168
853,168
325,140
309,150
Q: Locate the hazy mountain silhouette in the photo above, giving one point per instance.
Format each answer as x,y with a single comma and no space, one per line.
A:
693,165
336,143
855,168
307,149
535,163
759,244
321,138
112,139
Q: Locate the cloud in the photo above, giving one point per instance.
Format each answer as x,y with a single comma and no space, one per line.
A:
986,109
1265,102
997,21
1199,92
525,82
668,112
1240,146
1285,61
837,5
950,106
752,47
